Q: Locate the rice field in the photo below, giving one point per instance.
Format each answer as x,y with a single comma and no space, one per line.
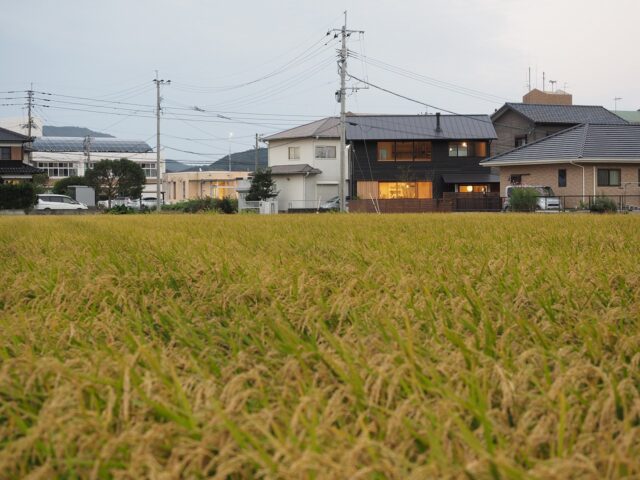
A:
320,347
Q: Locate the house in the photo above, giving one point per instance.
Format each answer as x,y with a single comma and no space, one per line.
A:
579,162
62,157
517,124
180,186
305,164
419,156
541,97
13,155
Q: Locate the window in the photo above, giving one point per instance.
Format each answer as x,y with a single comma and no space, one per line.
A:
515,179
294,153
608,177
325,152
521,141
473,188
5,153
406,151
397,190
58,169
149,169
562,177
458,149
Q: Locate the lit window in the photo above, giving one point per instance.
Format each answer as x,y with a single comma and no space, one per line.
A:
473,189
294,153
399,190
406,151
458,149
325,152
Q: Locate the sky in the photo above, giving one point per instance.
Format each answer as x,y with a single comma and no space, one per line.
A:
245,67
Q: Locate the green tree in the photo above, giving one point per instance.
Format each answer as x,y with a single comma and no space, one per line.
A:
61,187
262,186
40,182
116,177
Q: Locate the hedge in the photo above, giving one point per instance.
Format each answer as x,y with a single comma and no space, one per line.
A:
17,196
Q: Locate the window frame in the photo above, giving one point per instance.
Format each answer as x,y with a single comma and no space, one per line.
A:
423,155
5,153
297,153
461,145
323,149
562,178
608,173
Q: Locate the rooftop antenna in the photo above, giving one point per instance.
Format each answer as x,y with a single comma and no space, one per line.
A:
529,84
544,82
615,102
553,85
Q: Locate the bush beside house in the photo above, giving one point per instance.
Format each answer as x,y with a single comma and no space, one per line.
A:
524,200
17,196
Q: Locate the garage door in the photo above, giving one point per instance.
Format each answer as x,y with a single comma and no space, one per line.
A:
325,192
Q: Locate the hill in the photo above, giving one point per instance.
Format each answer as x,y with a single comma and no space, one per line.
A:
51,131
240,162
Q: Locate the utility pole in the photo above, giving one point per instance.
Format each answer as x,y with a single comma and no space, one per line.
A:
30,123
344,33
87,151
256,155
158,82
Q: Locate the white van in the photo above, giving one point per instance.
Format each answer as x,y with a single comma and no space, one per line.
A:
546,197
51,201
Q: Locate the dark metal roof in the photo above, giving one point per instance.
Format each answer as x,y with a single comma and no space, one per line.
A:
15,167
470,178
76,144
419,127
562,114
583,143
325,128
300,168
11,136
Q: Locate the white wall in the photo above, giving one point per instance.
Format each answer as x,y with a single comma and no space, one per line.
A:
330,176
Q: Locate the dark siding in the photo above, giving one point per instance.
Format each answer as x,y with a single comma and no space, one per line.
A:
365,166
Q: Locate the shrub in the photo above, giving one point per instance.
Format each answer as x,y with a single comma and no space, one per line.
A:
17,196
207,204
61,187
121,210
603,205
524,199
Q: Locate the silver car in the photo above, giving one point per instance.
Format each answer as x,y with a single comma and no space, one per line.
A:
49,202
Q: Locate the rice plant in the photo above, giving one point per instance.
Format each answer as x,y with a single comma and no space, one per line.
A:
355,346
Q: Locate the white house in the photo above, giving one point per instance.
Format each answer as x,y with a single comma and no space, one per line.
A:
305,164
62,157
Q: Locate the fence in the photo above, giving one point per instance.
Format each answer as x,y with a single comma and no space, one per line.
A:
401,205
265,207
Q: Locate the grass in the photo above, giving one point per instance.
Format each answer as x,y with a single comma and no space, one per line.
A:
426,346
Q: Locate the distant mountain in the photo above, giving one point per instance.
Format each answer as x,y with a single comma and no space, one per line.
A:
240,162
50,131
176,166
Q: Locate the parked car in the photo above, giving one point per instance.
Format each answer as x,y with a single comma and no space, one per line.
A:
115,202
546,197
147,202
50,202
332,204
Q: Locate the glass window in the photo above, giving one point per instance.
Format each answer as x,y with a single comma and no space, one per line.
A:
608,177
385,152
58,169
5,153
325,152
521,141
479,149
515,179
404,151
458,149
399,190
149,169
562,177
422,151
473,188
294,153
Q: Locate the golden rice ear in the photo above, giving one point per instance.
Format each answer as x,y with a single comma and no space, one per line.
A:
320,346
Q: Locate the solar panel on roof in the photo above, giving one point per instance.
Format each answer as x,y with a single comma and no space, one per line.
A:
101,145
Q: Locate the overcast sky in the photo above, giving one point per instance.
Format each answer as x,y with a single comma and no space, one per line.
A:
108,51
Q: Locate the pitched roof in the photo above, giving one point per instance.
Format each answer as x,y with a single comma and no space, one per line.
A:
14,167
324,128
419,127
76,144
295,169
561,114
583,143
631,116
11,136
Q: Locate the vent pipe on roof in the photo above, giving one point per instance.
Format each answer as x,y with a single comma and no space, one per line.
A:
438,129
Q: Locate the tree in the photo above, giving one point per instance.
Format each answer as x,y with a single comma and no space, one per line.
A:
116,177
262,186
61,187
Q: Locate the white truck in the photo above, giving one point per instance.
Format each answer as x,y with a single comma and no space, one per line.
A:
546,197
